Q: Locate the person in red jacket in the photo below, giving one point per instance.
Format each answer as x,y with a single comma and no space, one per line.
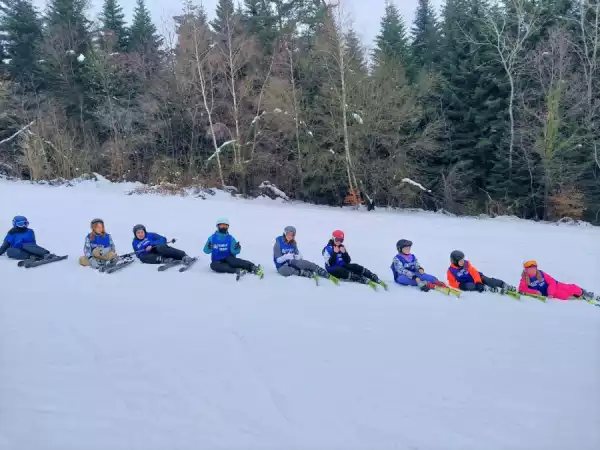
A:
534,281
464,276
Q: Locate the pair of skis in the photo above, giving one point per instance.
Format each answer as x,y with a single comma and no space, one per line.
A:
541,298
243,272
173,263
36,262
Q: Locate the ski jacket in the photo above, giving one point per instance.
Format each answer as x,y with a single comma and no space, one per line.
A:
97,240
333,258
547,286
223,245
16,237
284,251
407,265
151,239
466,274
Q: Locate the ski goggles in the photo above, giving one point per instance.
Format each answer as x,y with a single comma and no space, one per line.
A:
21,224
530,263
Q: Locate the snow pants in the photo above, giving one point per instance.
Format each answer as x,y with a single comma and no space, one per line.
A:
26,252
491,282
301,267
231,264
160,253
101,256
564,291
353,272
406,281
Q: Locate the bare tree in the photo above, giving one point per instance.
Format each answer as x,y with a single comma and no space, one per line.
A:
509,39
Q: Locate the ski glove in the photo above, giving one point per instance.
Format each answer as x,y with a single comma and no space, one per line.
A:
210,246
285,258
237,246
479,287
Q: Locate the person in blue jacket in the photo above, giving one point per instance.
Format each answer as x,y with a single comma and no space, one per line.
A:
223,249
339,264
289,261
407,270
20,242
152,248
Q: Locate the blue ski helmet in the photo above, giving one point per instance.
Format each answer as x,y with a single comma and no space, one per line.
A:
20,222
223,221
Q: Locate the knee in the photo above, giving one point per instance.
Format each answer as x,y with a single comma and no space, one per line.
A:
84,261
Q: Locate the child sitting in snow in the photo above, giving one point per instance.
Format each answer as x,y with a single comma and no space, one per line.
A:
534,281
99,248
464,276
407,270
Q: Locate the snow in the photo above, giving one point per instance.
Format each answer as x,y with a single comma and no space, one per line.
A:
358,118
414,183
146,361
6,61
81,58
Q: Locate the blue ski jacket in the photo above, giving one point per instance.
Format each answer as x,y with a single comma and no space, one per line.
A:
98,240
284,251
151,239
407,265
220,246
334,259
16,237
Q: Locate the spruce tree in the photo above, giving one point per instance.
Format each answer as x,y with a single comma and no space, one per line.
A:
113,21
67,22
21,28
391,42
224,13
144,38
356,58
425,36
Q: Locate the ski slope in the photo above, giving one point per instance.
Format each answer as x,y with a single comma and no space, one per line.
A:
141,360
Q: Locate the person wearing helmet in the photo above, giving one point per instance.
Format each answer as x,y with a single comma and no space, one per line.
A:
534,281
223,249
408,271
99,248
464,276
339,264
20,242
289,261
152,248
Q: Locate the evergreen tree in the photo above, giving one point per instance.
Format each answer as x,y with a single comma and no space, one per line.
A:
425,36
392,42
144,38
66,21
22,30
261,22
113,21
356,58
223,14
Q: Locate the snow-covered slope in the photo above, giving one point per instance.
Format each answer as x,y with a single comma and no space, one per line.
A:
145,361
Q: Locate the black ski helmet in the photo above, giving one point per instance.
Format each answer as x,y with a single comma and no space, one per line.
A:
403,243
456,256
139,227
95,221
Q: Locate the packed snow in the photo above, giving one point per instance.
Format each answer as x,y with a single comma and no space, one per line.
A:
141,360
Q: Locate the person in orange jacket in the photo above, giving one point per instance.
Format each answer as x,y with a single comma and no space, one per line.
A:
464,276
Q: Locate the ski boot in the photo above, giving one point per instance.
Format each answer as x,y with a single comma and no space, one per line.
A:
381,283
187,259
425,286
257,270
495,290
309,274
587,295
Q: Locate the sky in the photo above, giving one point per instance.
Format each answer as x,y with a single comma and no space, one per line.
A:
365,14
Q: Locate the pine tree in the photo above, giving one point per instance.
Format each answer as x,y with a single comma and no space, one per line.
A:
223,14
392,42
113,21
144,38
425,36
261,22
356,58
67,22
21,28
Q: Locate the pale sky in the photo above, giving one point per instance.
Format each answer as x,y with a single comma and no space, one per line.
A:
365,14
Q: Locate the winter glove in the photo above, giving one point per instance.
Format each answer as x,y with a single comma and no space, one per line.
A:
288,256
210,246
423,286
298,256
479,287
237,246
97,252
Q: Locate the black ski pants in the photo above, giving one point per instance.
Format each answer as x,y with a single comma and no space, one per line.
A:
490,282
26,252
159,253
353,272
231,264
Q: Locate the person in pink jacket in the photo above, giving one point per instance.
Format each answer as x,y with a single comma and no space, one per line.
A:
534,281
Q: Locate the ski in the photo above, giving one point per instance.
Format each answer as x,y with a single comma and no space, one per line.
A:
169,264
239,274
188,265
447,290
541,298
28,264
372,285
334,280
513,294
118,266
